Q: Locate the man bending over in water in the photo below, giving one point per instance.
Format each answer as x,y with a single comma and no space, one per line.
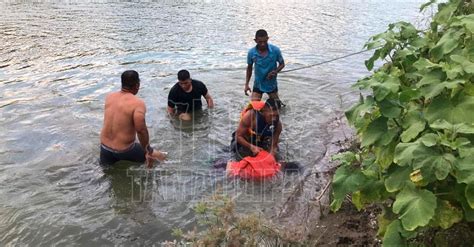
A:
124,119
259,128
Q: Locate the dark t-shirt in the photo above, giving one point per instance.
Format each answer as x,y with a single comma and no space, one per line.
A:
187,102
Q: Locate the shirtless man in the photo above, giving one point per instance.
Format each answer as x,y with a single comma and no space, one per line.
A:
124,119
259,129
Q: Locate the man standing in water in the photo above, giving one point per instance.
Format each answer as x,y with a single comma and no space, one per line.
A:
124,119
185,96
268,62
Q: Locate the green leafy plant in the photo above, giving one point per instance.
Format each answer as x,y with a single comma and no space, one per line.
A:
416,129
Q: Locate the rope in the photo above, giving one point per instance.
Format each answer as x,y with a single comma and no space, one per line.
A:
328,61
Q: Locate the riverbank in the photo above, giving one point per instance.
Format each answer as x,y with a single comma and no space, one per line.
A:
305,216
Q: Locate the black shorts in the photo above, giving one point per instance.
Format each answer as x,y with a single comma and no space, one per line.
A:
134,153
257,90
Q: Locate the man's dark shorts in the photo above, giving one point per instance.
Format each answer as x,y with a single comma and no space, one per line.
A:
134,153
257,90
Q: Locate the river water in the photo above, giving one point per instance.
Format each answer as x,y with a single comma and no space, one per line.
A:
58,60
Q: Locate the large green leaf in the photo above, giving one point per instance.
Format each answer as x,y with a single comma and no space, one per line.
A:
445,12
432,77
452,70
357,115
425,65
460,195
466,21
389,108
392,235
404,152
409,94
464,170
390,85
346,180
446,215
384,155
448,42
466,65
470,195
455,110
466,151
464,128
465,174
434,165
429,139
372,191
416,207
374,132
432,90
388,137
397,177
413,131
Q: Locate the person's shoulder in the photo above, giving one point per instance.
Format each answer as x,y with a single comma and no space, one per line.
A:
249,115
274,47
252,50
197,82
138,102
174,88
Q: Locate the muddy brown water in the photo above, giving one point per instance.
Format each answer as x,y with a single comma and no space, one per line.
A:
58,60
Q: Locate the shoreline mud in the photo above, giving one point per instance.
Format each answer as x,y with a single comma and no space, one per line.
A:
305,215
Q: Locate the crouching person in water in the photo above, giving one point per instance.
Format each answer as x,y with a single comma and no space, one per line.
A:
124,119
259,129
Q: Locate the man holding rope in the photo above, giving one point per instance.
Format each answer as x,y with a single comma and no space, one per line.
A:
268,62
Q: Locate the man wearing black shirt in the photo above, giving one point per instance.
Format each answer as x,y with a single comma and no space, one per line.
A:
185,96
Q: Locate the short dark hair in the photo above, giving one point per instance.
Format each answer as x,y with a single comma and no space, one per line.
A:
183,75
130,79
272,103
261,33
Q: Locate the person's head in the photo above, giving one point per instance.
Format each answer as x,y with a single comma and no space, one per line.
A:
261,38
130,81
270,110
184,80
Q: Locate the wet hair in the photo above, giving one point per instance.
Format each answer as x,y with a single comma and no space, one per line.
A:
183,75
261,33
130,79
272,103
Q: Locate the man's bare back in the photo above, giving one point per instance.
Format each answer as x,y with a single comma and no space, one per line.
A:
122,109
124,120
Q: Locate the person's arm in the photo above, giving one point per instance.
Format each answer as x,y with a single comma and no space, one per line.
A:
276,139
281,65
242,131
140,125
248,75
171,105
142,132
209,100
171,111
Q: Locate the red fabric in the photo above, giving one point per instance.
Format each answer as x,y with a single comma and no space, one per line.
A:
261,166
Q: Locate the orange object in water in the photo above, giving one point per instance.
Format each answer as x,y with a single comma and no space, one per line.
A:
256,105
261,166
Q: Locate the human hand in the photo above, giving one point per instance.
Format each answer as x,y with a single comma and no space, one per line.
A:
255,150
247,89
152,157
272,74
